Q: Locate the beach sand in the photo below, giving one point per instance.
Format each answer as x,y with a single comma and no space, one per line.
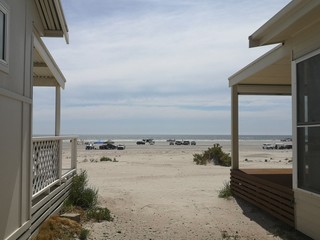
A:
158,192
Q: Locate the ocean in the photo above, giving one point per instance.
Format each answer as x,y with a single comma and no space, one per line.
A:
165,137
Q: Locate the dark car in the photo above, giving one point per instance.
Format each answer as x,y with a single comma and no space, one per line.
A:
108,146
89,146
193,143
186,143
141,142
178,143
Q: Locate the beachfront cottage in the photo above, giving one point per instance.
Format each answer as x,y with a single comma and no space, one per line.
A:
291,68
32,181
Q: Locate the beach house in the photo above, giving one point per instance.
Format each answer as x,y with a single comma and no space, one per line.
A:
291,68
32,181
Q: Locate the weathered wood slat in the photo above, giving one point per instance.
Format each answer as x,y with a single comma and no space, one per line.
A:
263,188
279,188
254,187
271,198
280,209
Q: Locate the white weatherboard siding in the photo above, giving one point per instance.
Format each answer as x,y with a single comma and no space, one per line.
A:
15,122
307,213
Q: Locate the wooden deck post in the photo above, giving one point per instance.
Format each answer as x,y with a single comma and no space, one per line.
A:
58,111
234,128
57,127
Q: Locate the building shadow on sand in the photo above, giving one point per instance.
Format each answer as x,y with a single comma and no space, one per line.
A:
269,223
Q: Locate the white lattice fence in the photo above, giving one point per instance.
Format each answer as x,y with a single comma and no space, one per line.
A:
45,163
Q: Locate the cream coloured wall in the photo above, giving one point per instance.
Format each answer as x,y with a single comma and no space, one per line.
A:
307,204
15,123
307,213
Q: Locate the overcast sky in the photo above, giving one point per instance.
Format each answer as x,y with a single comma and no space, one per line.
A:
158,67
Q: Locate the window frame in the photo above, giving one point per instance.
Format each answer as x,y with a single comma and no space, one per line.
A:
298,126
4,63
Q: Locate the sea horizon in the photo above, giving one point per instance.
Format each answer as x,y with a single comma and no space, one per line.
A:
164,137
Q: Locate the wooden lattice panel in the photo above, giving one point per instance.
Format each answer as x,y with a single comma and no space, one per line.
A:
45,163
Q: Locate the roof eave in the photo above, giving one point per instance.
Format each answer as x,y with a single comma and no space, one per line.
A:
49,61
283,24
53,19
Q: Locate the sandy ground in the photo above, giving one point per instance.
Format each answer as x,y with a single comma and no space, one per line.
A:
157,192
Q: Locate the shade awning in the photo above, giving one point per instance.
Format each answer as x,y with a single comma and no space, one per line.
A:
45,70
270,71
52,18
295,17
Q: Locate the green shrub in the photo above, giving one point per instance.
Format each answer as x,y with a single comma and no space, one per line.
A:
81,195
214,154
84,234
225,191
99,214
105,159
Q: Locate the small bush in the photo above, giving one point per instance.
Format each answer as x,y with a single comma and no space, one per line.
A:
214,154
99,214
84,234
105,159
81,195
225,192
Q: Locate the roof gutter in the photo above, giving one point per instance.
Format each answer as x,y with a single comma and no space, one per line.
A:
62,20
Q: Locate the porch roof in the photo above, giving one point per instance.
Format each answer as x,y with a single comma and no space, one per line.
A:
45,70
292,19
273,69
271,73
52,18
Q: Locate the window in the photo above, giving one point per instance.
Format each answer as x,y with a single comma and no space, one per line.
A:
4,19
2,35
308,123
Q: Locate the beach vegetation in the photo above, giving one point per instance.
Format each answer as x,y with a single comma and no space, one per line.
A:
99,214
80,194
213,155
225,191
57,227
105,159
84,234
84,200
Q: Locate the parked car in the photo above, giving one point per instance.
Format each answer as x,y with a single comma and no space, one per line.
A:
193,143
186,143
171,143
141,142
121,147
90,146
178,143
267,146
108,146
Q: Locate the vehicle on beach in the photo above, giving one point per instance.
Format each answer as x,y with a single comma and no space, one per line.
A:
178,142
171,143
283,146
90,146
147,140
108,146
186,142
267,146
193,143
121,147
141,142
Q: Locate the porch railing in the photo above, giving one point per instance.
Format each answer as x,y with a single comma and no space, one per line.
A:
48,168
54,163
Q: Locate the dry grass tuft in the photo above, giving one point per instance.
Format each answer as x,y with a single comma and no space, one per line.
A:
57,227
